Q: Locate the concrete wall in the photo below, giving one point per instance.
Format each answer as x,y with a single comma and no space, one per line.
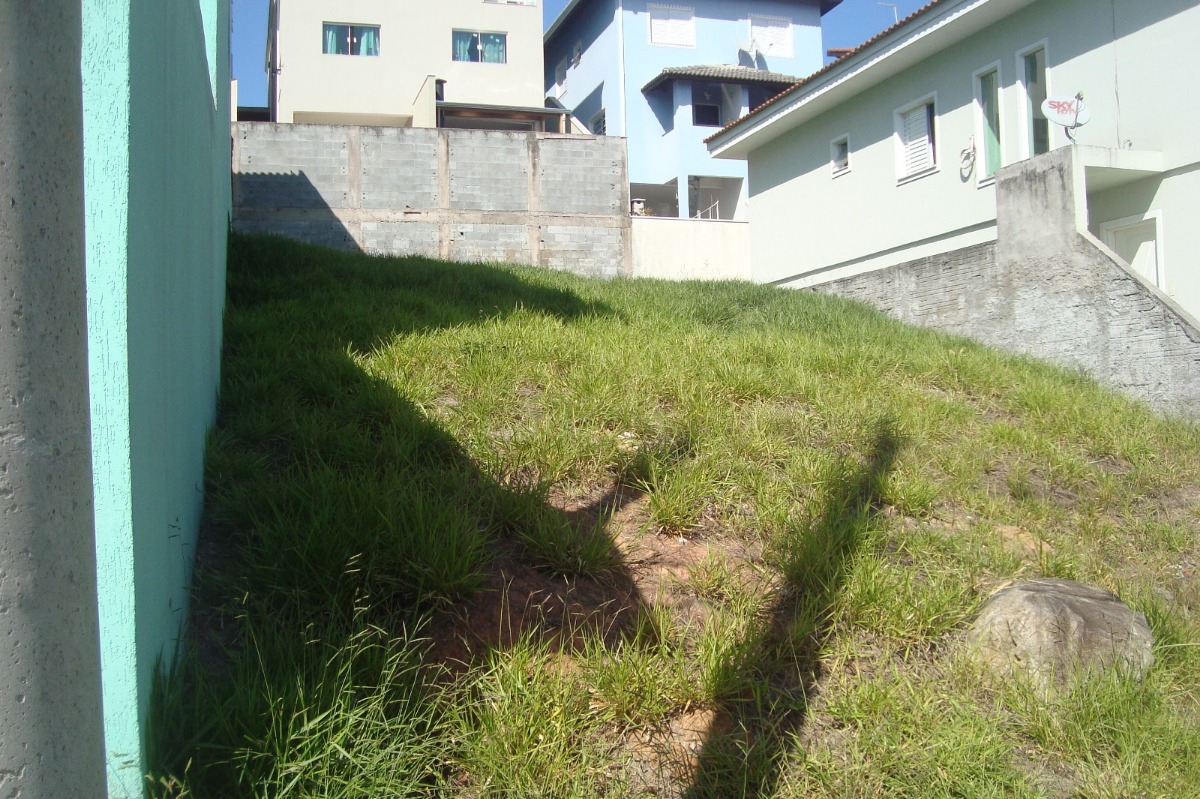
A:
556,201
51,732
156,147
813,226
412,46
1048,290
690,249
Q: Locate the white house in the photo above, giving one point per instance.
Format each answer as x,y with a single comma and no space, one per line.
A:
888,154
451,63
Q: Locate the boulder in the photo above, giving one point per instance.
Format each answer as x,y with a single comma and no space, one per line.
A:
1054,631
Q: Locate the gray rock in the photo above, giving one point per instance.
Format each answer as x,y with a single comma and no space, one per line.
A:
1054,631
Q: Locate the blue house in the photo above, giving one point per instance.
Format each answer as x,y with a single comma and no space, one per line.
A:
666,75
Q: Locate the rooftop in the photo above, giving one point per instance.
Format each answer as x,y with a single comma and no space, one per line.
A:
720,73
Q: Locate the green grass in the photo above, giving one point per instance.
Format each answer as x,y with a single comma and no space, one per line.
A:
398,437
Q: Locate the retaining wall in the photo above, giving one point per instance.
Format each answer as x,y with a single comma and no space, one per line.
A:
552,200
690,249
1048,289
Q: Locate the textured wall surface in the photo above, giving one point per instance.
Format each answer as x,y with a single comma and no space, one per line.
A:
51,740
156,154
1050,291
556,201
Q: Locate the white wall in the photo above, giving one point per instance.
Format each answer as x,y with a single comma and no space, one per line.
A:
810,226
690,249
414,43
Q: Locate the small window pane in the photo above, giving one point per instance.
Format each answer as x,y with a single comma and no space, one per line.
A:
708,116
350,39
839,155
1035,93
989,112
490,48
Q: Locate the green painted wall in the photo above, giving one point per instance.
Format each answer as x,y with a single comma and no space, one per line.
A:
156,161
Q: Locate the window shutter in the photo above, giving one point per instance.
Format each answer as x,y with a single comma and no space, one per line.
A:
672,26
772,36
918,143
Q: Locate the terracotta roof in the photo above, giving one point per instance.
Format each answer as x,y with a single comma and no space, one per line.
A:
920,12
720,73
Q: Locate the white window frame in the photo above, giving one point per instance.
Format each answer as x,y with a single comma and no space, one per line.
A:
1107,229
833,147
480,33
788,50
982,180
898,115
671,9
1026,137
351,26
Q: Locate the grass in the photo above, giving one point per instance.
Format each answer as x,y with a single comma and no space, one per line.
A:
494,531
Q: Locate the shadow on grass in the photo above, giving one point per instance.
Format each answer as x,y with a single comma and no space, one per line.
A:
768,678
339,516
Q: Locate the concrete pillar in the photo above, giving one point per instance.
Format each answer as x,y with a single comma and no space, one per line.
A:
682,98
51,735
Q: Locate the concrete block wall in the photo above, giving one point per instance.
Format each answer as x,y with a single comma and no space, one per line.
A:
1048,289
556,201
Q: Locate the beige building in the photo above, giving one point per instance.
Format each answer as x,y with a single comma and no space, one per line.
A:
450,63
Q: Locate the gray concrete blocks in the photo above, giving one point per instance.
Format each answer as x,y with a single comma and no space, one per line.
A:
298,166
489,171
399,168
501,196
588,251
563,161
408,238
484,242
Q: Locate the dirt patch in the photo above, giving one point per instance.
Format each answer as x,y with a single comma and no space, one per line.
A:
520,601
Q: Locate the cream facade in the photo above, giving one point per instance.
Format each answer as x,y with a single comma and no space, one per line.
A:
887,155
404,64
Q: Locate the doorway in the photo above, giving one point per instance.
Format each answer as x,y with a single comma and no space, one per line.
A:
1138,241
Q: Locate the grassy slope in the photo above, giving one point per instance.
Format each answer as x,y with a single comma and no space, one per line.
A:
854,488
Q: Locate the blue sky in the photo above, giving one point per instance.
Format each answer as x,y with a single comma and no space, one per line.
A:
848,25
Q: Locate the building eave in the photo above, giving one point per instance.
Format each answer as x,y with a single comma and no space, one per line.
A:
927,31
569,9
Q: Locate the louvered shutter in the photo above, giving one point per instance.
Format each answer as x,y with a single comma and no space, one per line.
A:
672,26
772,36
917,139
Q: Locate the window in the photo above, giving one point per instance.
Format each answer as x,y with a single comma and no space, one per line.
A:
772,36
599,124
672,26
560,79
487,48
987,108
1033,72
839,155
706,105
341,39
916,151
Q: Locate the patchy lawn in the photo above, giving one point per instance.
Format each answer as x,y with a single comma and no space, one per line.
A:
485,531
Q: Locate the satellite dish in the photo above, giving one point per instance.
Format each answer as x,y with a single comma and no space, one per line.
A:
1066,111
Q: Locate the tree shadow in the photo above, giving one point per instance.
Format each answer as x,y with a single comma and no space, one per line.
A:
766,681
337,504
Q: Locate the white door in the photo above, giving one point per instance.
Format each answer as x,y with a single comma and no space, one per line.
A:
1138,246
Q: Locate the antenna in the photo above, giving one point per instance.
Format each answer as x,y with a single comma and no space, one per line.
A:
1068,112
895,13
